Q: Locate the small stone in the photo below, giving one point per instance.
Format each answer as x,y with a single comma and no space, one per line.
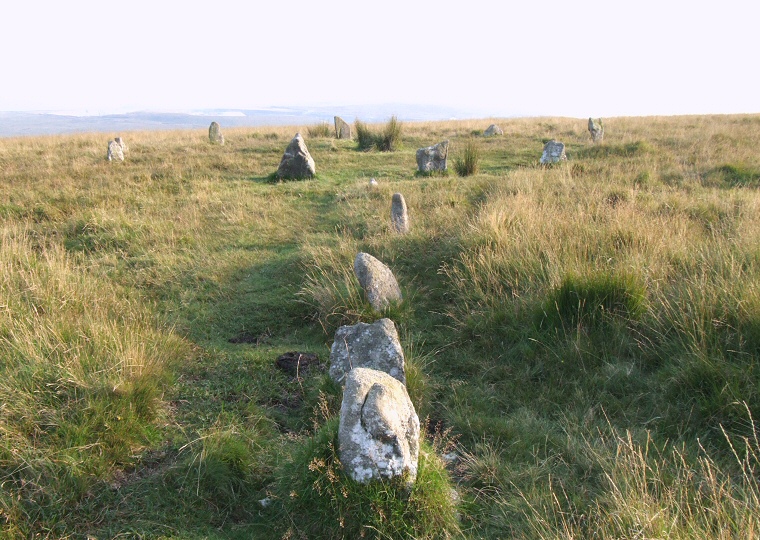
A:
296,162
215,134
372,182
374,346
492,130
377,281
379,432
553,152
596,128
265,502
399,215
433,158
115,151
342,129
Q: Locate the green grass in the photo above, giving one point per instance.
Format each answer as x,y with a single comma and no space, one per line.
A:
582,341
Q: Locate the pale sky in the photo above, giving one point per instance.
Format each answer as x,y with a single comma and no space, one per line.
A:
499,58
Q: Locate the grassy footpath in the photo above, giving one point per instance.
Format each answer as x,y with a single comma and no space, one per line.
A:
584,337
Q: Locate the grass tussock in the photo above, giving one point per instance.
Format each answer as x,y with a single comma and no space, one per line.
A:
321,130
388,140
467,164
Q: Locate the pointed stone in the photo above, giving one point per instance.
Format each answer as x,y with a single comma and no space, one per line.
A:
492,130
399,215
342,129
296,163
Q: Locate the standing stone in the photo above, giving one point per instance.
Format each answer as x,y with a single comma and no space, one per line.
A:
121,143
553,152
296,163
215,134
433,158
374,346
342,129
377,281
399,216
596,128
492,130
379,432
115,150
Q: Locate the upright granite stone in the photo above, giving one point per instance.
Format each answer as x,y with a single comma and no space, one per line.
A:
296,163
121,143
492,130
399,215
596,128
379,432
115,150
433,158
342,129
215,134
377,281
553,152
374,346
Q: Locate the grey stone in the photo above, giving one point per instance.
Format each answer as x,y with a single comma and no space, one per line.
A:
374,346
399,215
379,432
215,134
115,150
121,143
296,163
596,128
433,158
377,281
492,130
342,129
553,152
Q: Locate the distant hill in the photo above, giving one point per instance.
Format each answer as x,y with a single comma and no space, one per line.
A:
47,123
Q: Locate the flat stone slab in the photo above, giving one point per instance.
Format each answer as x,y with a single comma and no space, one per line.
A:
554,152
433,158
374,346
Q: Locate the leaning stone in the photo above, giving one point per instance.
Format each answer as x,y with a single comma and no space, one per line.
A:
342,129
215,134
553,152
115,151
493,129
374,346
596,128
296,163
377,281
433,158
399,215
379,432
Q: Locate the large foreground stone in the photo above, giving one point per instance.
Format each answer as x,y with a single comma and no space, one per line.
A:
377,281
553,152
115,150
379,433
492,130
596,128
433,158
296,162
399,214
215,134
342,129
375,346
